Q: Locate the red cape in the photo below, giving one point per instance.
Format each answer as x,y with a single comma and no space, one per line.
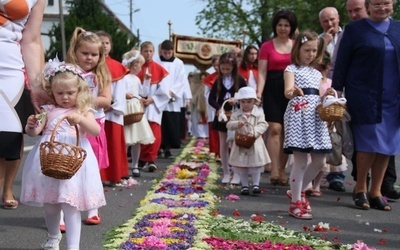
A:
117,70
245,73
210,79
156,70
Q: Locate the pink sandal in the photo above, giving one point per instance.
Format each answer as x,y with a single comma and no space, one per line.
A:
10,204
297,210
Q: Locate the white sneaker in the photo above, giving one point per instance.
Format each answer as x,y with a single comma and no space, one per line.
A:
152,167
236,179
53,242
226,179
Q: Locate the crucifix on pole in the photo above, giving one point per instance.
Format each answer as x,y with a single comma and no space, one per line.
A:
169,30
244,38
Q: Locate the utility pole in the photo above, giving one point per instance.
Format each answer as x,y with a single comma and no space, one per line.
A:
130,14
62,26
138,38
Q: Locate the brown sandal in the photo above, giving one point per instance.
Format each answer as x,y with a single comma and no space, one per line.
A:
274,180
316,193
284,182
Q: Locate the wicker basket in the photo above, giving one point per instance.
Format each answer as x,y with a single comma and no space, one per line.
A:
333,112
227,113
61,160
134,117
245,140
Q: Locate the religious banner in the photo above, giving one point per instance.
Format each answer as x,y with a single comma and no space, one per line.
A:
199,51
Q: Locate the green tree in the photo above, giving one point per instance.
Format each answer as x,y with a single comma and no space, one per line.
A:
236,19
90,15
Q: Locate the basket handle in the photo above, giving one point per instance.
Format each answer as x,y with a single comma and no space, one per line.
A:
335,92
141,103
53,133
329,100
222,106
252,127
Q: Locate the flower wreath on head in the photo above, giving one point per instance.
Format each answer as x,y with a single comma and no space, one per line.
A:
125,62
53,67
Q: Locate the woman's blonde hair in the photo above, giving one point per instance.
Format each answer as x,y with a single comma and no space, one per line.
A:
101,71
71,79
131,57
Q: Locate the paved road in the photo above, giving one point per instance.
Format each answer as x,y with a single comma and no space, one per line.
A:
24,228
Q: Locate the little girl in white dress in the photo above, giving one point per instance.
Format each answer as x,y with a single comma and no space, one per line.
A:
84,190
139,132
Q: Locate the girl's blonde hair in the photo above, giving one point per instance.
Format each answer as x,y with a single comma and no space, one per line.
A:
302,38
71,79
101,71
131,57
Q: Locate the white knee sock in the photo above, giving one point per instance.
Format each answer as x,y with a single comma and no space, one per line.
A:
244,175
135,153
93,212
52,214
315,166
256,175
72,225
297,175
317,181
223,152
62,222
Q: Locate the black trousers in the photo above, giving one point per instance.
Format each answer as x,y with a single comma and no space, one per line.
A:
171,130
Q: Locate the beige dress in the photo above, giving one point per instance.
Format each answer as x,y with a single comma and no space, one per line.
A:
139,132
257,155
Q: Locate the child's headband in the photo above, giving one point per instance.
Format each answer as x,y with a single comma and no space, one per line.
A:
53,67
125,62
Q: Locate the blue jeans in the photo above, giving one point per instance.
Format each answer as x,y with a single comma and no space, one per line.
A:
333,177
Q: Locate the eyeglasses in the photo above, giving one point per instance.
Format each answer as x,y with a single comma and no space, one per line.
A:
378,6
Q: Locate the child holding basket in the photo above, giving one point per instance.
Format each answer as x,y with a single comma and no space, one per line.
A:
249,119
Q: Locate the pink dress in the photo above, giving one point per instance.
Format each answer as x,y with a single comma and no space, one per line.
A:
83,191
324,86
99,143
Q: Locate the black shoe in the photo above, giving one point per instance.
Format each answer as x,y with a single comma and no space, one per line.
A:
168,155
244,190
135,172
337,186
256,189
392,194
360,200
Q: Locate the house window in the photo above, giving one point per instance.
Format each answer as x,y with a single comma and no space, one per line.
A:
50,3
